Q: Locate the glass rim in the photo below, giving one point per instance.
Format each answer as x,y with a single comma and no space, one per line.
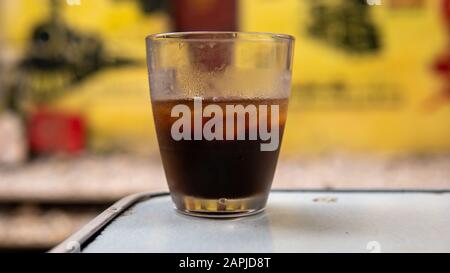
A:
202,36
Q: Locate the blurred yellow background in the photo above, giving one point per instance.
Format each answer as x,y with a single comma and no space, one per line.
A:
377,100
367,101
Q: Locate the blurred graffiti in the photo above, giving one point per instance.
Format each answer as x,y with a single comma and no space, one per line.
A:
57,57
346,26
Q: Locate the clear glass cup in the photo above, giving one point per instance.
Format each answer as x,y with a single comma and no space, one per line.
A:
219,103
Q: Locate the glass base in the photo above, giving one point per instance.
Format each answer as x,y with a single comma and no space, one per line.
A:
220,208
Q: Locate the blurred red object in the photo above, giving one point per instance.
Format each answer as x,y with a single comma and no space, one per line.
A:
56,132
212,15
446,10
442,67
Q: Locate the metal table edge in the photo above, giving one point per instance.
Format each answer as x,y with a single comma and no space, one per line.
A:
75,242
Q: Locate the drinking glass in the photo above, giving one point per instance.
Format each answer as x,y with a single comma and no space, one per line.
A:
219,102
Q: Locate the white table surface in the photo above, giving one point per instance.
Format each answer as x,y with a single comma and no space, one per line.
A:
293,222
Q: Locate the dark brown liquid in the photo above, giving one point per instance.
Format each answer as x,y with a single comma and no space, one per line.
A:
218,168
